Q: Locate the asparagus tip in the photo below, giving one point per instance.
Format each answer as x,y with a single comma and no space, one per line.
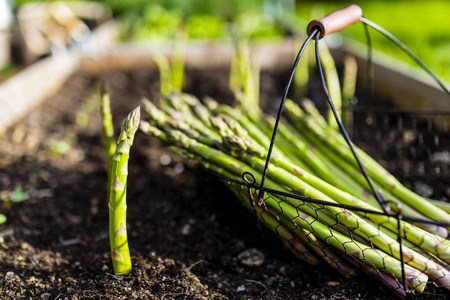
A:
131,122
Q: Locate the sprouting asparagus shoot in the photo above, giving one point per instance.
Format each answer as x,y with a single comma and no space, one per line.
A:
120,253
108,129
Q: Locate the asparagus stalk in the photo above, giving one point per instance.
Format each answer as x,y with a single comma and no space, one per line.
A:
286,229
301,76
179,50
120,253
147,128
108,131
332,80
249,77
165,84
350,76
348,89
382,276
445,206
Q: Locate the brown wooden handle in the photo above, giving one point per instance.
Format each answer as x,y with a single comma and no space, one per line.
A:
336,21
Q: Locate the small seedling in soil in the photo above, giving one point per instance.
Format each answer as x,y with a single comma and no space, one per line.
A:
16,196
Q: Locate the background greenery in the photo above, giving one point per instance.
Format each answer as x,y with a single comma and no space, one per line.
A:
424,26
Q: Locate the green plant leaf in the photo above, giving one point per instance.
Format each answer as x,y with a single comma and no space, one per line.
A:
60,147
18,195
2,218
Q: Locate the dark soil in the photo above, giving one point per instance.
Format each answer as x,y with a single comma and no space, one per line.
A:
185,228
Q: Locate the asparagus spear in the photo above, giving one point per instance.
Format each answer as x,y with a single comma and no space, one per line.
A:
348,89
332,80
301,76
179,51
384,277
165,84
350,77
120,253
293,236
249,77
108,132
108,128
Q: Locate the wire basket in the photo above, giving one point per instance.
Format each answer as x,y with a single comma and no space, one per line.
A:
406,141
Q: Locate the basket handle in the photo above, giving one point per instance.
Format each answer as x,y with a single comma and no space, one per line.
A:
336,20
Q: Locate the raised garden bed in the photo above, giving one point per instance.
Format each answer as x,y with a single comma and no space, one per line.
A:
186,230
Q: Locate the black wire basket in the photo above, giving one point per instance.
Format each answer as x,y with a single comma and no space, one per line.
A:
413,144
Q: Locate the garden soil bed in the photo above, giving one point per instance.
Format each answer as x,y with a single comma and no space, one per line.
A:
186,230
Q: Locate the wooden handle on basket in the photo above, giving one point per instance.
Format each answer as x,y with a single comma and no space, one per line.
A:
336,20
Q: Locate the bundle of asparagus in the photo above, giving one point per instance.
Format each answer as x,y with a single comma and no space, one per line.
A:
311,161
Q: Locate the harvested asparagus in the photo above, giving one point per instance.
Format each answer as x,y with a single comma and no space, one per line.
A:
336,239
120,253
227,145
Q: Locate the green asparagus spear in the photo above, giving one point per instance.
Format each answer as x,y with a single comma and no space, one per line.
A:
120,253
332,80
165,84
348,89
178,59
108,132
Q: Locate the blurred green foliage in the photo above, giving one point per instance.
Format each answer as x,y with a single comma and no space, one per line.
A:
423,26
159,20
